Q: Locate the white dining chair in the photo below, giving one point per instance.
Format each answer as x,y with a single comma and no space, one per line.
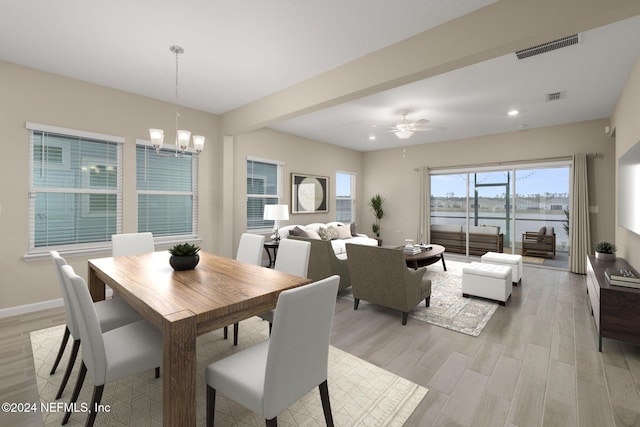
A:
293,258
132,243
249,251
112,313
107,356
270,376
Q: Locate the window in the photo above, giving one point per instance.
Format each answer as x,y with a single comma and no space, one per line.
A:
167,193
345,196
263,188
75,200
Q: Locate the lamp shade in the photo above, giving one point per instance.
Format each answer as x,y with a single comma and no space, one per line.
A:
276,212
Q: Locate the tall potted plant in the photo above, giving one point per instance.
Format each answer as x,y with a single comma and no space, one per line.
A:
376,204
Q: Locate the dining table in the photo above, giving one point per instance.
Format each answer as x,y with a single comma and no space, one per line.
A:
220,291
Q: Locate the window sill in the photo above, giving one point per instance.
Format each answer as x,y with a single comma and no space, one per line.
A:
161,243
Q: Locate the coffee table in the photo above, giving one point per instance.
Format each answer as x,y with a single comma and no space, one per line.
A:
426,257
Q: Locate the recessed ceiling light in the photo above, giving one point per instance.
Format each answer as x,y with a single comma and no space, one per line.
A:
372,137
513,113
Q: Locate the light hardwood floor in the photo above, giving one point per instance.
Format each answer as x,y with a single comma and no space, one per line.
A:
535,364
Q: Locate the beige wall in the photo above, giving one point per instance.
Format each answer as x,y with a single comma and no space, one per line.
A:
30,95
34,96
299,155
391,172
626,122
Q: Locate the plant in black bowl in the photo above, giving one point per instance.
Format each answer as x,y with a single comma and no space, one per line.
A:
184,256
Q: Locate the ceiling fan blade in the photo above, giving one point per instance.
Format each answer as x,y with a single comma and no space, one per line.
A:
422,129
421,122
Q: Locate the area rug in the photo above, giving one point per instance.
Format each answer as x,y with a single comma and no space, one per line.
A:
447,308
361,394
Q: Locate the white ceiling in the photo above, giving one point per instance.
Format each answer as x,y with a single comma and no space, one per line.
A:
239,51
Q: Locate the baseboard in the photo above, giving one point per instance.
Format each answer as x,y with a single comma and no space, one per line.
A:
38,306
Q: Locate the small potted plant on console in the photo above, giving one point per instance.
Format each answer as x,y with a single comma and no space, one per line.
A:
605,251
184,256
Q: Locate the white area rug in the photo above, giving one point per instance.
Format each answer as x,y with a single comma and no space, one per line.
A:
361,394
448,308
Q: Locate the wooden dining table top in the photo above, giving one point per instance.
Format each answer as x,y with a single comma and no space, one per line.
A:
184,304
219,291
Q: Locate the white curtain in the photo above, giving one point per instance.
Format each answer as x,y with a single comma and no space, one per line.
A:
579,229
424,214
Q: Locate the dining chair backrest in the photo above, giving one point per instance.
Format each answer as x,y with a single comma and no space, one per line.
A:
298,352
250,248
132,244
293,257
72,323
91,340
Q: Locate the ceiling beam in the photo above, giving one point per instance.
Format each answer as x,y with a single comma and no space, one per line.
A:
495,30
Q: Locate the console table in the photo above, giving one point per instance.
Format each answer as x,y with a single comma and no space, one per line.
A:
615,309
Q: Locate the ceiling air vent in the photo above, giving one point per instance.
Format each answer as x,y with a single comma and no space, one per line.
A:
548,47
555,96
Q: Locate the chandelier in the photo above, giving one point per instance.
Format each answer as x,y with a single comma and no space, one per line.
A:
183,137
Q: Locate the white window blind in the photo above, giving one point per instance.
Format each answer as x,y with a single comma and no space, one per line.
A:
167,192
75,197
263,188
345,196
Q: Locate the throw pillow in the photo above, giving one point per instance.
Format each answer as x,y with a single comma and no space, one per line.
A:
343,231
298,232
353,229
311,234
541,233
328,233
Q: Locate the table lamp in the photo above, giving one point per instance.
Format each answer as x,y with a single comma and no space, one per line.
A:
276,213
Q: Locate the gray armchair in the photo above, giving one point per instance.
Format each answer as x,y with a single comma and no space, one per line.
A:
324,263
380,276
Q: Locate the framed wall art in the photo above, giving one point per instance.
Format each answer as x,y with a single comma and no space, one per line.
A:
309,193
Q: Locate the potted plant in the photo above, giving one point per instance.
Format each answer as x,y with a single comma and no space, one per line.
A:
184,256
605,251
377,207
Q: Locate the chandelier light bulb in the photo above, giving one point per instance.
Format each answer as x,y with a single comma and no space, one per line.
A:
157,138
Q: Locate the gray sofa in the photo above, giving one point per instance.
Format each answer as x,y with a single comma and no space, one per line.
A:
338,244
380,276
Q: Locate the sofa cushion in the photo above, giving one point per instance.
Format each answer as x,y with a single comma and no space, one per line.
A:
482,229
446,227
339,245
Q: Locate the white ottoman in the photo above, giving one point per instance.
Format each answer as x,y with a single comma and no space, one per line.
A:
513,261
491,281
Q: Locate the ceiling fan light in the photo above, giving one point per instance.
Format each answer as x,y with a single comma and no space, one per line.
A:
404,134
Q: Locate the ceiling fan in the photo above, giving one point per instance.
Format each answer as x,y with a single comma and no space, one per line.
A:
404,128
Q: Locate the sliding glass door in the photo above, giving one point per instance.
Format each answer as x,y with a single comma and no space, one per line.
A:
521,203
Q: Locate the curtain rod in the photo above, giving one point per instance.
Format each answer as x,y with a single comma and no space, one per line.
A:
507,163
